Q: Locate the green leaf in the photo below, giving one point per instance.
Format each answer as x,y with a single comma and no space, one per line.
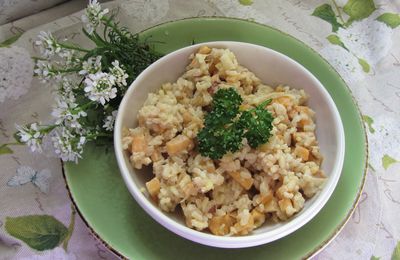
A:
40,232
369,121
4,149
374,257
326,13
396,252
387,161
364,64
10,40
359,9
246,2
391,20
335,40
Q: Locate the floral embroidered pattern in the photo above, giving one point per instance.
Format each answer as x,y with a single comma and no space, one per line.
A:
357,30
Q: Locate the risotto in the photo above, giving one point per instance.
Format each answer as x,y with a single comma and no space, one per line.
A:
239,192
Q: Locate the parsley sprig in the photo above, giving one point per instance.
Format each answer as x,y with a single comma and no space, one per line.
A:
225,126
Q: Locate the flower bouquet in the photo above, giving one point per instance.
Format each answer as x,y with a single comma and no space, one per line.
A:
88,84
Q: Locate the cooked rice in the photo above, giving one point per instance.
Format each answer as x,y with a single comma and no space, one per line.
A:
238,193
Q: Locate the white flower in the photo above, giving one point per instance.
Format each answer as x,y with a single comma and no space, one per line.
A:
100,87
93,15
70,58
110,120
31,136
67,146
49,45
91,66
68,112
367,39
65,88
45,71
119,73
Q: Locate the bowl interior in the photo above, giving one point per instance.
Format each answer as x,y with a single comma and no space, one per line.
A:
272,68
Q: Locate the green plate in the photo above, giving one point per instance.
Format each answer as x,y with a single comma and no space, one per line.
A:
99,193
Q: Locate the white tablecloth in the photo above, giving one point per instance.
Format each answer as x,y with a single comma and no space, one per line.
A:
374,228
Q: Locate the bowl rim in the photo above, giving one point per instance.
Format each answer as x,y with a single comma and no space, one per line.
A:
230,241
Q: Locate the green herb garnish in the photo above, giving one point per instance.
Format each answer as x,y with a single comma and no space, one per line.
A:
225,127
258,124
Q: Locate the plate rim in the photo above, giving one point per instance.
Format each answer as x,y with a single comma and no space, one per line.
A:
356,200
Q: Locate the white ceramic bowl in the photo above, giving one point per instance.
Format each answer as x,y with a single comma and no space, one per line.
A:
272,68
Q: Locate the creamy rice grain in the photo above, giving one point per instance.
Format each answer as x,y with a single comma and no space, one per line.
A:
242,190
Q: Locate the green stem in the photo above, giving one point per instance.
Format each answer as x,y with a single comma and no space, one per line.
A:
93,136
109,23
339,13
88,104
16,143
37,58
47,129
66,70
70,228
370,166
105,31
93,38
98,37
71,47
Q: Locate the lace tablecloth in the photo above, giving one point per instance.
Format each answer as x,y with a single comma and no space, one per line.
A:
366,53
